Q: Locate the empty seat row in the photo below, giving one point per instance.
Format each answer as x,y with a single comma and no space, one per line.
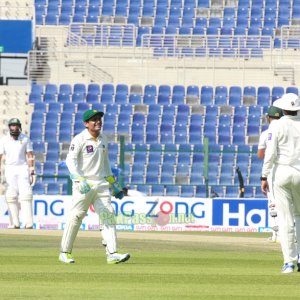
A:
152,94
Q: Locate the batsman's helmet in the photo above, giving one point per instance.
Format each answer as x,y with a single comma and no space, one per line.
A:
14,121
14,131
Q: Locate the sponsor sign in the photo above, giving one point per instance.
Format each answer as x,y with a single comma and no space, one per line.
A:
155,214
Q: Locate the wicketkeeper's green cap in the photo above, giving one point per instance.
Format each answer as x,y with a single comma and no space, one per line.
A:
14,121
91,113
274,112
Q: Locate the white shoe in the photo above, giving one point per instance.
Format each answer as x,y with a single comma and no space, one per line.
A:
66,258
288,268
13,227
117,258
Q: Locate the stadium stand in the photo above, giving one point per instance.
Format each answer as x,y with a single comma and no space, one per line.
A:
176,117
155,159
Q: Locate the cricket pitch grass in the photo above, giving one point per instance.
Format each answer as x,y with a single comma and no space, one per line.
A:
162,266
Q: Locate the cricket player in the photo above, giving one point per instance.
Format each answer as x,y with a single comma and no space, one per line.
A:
92,178
274,113
283,154
19,174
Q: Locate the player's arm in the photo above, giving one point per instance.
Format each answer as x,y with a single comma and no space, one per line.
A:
270,155
72,157
261,153
75,173
261,147
30,160
117,191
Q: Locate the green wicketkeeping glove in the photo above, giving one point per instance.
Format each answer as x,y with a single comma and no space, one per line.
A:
83,186
117,191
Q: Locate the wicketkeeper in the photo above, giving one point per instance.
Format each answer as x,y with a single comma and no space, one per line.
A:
92,178
19,174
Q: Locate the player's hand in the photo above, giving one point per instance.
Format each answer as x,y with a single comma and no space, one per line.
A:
116,190
80,183
264,187
32,176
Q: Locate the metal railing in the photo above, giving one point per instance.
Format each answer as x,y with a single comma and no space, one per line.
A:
208,45
104,34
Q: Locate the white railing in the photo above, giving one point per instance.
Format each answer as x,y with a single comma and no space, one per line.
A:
149,63
223,46
103,34
290,37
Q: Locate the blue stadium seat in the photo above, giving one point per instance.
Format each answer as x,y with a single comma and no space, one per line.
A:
145,189
53,188
277,92
292,89
172,190
200,191
232,191
38,189
158,190
187,191
135,99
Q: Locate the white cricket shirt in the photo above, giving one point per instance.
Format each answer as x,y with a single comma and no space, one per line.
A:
283,144
15,150
88,156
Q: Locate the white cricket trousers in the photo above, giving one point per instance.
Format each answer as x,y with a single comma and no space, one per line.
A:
287,196
271,199
99,196
18,185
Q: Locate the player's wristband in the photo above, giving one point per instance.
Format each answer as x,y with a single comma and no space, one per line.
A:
263,178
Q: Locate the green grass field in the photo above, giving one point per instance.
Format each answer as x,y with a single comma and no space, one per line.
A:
158,269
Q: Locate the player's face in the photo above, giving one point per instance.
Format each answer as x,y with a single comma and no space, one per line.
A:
14,129
94,125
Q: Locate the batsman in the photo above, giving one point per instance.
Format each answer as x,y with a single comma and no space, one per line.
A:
19,174
93,183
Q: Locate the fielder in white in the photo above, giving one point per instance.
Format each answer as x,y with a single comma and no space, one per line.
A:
19,174
274,113
283,154
92,178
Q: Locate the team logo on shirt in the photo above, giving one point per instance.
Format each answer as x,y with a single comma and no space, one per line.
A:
89,148
72,147
270,136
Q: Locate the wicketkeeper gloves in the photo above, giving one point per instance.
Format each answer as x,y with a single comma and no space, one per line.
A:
83,186
117,191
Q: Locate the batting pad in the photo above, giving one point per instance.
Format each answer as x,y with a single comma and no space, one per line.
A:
26,208
12,204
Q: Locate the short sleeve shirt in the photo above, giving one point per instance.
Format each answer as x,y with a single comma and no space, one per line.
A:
15,150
